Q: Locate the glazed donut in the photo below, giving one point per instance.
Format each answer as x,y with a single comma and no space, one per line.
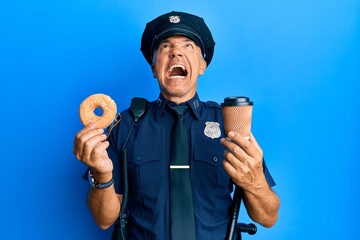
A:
94,101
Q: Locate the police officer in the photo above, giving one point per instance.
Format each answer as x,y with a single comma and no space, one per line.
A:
179,47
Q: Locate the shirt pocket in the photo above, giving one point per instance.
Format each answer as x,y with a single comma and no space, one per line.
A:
210,176
144,169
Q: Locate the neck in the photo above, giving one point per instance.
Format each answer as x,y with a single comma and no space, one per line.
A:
178,99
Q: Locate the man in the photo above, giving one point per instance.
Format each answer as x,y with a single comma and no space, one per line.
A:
179,47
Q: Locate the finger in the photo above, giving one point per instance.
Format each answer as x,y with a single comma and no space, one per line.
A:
237,156
99,157
236,174
90,145
234,146
99,151
246,145
256,144
233,160
81,138
229,168
86,129
89,134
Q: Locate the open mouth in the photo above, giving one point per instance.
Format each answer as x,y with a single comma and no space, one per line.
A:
177,71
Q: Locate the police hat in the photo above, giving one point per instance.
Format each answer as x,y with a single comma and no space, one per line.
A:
177,23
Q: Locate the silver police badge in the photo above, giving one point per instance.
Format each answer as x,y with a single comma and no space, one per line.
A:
212,130
174,19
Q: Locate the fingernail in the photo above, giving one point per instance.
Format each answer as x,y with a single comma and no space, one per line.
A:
231,134
92,125
100,130
222,140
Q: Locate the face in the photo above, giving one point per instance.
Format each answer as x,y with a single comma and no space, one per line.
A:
177,65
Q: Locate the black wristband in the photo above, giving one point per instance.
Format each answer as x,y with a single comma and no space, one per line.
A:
95,184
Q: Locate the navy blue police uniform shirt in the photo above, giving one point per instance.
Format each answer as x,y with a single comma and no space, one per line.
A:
148,154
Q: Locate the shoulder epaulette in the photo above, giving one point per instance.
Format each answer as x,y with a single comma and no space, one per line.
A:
212,104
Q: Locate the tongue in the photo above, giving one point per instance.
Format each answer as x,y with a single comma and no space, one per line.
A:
177,71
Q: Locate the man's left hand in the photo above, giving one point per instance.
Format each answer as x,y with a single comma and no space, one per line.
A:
244,161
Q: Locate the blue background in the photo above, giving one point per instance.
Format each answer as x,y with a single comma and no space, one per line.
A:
299,61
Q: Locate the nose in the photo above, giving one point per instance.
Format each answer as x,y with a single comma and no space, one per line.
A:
175,51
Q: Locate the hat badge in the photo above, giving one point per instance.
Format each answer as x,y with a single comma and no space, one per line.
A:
174,19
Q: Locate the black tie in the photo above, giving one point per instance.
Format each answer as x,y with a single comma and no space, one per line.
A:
181,202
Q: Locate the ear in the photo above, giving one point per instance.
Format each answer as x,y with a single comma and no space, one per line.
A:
153,71
202,67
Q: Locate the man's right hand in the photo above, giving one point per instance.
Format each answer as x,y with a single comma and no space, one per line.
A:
90,148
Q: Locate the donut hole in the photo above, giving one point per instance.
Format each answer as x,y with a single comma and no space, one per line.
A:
98,111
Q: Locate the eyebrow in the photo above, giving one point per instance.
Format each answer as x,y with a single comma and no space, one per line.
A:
168,41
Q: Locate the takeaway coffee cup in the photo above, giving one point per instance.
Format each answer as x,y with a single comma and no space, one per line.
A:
237,113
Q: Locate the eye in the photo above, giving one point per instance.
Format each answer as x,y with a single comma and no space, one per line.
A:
165,46
189,45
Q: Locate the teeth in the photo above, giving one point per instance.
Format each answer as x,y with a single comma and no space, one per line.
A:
177,65
177,77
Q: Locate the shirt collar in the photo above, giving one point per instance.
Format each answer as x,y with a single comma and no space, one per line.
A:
193,103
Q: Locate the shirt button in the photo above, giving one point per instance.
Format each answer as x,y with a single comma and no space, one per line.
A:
215,159
138,157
